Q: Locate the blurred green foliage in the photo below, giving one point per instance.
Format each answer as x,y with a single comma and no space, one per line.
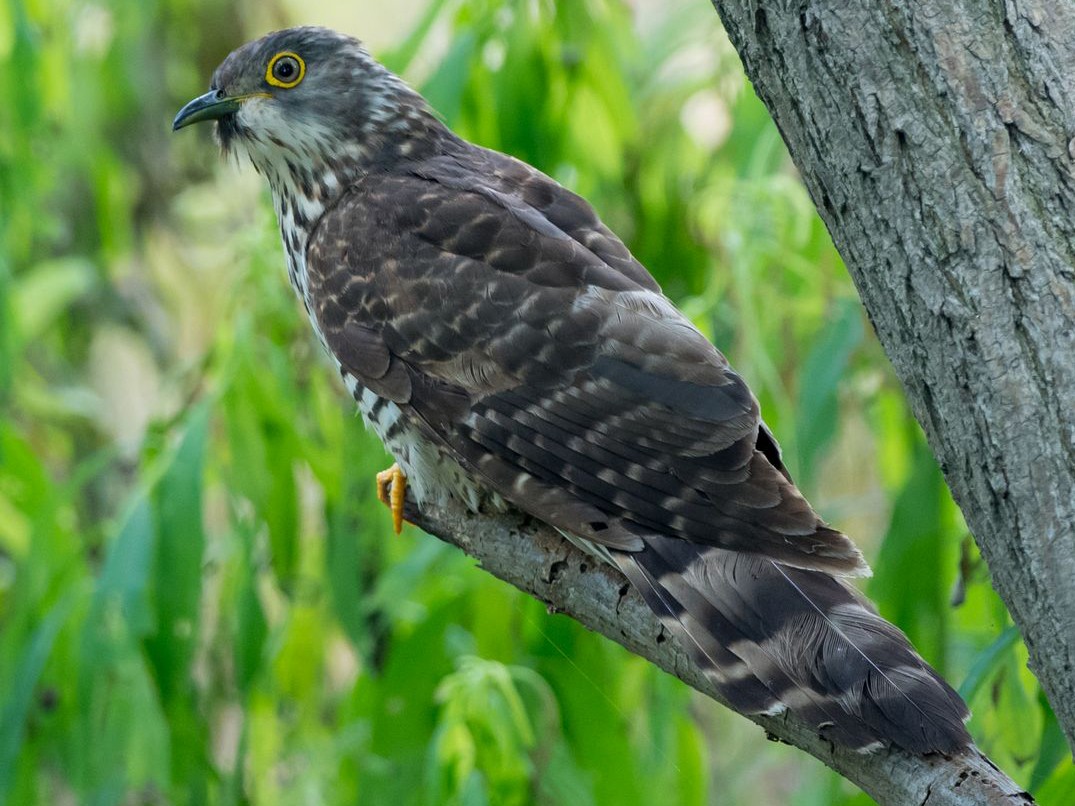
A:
201,600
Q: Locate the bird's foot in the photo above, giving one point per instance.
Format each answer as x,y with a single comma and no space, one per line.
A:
392,491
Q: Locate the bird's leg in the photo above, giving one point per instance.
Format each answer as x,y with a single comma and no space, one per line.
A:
392,490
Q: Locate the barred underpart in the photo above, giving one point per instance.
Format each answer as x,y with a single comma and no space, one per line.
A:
507,347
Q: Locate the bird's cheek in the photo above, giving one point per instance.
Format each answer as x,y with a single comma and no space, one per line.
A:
258,115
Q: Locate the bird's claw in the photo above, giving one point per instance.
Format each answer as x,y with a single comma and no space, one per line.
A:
392,492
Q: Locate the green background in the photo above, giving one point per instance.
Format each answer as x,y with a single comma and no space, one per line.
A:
201,600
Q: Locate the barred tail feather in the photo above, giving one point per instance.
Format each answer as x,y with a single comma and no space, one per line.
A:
774,637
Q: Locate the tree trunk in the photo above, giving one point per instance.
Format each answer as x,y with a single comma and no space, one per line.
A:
937,141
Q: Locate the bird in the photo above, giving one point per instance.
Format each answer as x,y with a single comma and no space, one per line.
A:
510,351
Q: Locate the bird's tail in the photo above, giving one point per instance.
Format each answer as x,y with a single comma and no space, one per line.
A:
776,638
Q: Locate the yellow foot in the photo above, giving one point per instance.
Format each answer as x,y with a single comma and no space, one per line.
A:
392,490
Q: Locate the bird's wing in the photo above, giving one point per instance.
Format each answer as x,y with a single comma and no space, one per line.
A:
543,356
493,306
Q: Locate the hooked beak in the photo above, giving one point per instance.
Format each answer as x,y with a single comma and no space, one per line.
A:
211,106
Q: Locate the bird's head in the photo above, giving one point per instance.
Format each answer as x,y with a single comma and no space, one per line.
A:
304,98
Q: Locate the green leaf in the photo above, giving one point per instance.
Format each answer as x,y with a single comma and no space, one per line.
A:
1053,749
355,541
821,374
988,661
178,563
444,90
7,327
281,508
20,697
125,578
263,447
915,540
1059,789
177,585
251,631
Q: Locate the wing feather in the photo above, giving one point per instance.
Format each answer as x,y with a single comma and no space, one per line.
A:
567,364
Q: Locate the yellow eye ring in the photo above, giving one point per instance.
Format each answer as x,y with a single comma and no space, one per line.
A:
286,69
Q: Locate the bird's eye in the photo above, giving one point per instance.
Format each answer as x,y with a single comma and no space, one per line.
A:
285,70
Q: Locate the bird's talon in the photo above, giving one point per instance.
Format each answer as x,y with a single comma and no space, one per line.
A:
392,492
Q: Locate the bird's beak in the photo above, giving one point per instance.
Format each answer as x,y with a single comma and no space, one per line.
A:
211,106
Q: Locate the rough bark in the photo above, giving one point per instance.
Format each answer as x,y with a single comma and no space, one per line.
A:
936,140
535,559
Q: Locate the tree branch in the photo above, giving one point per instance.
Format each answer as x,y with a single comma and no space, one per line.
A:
936,141
535,559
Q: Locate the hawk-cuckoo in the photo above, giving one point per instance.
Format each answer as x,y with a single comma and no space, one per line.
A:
506,347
